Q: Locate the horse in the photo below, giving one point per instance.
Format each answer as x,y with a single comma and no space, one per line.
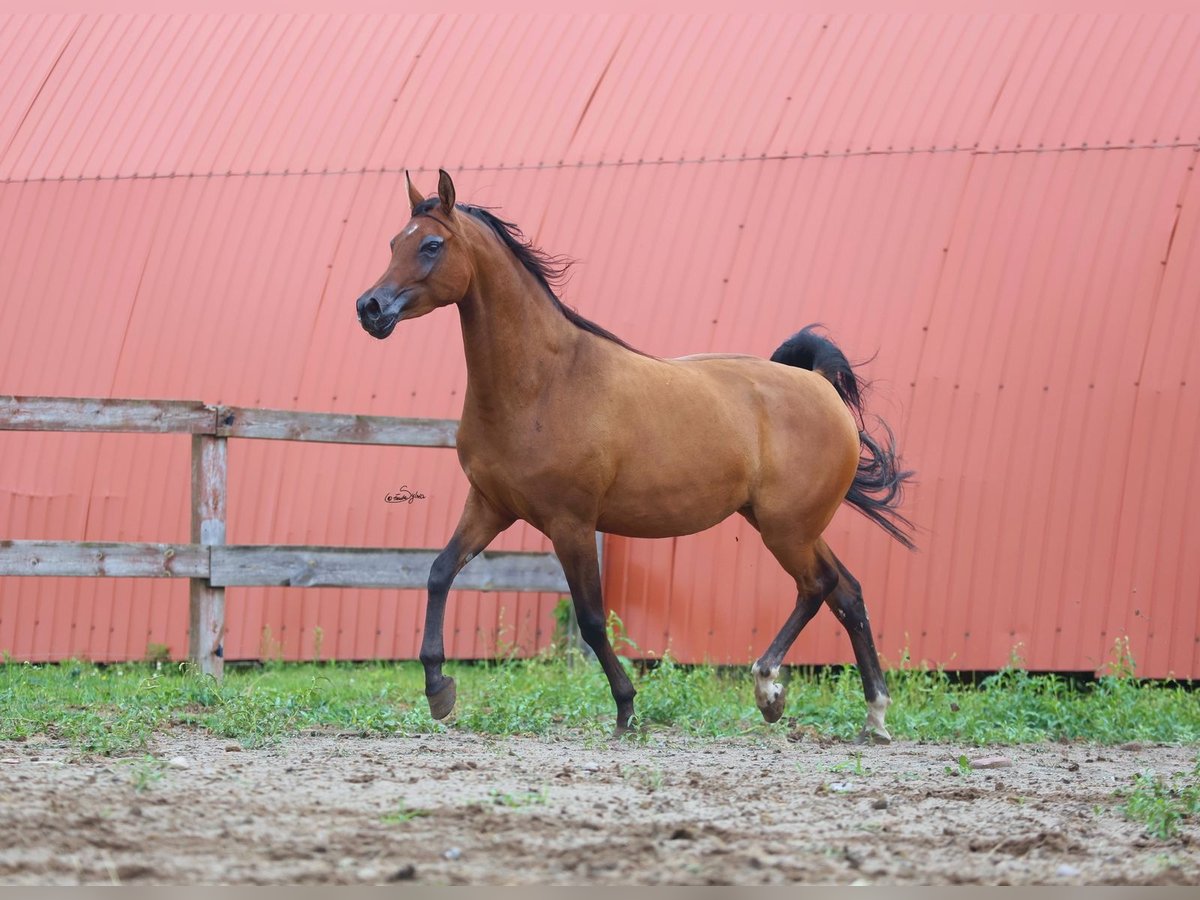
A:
569,428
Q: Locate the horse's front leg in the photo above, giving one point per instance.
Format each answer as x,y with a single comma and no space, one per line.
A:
576,550
479,525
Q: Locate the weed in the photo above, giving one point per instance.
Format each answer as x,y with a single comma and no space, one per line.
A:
1164,861
1159,805
403,813
157,655
854,764
962,766
525,798
566,633
617,636
146,771
269,649
649,778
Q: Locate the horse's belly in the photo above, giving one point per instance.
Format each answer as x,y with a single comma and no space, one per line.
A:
686,500
667,519
685,461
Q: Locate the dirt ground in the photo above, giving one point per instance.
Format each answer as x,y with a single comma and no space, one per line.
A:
460,808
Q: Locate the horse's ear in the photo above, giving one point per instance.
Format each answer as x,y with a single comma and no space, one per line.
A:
446,192
414,196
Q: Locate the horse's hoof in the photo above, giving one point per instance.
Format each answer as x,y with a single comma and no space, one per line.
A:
768,693
874,731
873,734
773,711
441,703
623,728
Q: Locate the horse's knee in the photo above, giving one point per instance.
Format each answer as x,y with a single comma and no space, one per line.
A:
846,596
822,582
847,604
849,608
441,574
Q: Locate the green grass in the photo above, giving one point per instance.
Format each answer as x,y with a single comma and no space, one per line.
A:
146,771
1160,804
403,813
116,709
524,798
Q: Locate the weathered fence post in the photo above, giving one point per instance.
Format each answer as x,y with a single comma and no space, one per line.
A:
207,603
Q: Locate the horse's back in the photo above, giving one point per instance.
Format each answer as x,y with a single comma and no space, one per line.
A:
788,396
739,429
697,356
770,382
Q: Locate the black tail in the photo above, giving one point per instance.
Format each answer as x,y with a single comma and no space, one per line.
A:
879,483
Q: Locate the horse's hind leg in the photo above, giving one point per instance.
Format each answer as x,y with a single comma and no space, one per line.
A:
816,576
847,604
821,577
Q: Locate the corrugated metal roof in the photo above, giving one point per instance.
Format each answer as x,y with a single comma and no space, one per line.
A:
1001,209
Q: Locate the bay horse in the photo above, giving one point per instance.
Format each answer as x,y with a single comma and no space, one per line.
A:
568,428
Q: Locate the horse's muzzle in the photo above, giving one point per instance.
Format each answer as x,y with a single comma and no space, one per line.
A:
379,313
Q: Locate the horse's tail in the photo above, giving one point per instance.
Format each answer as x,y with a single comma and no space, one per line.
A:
878,484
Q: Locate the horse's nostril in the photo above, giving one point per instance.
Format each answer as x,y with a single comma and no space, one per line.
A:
372,310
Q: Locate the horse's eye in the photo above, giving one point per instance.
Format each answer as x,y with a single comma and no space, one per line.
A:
392,245
431,247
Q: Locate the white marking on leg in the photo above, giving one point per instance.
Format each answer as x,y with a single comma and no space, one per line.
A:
876,710
875,731
766,688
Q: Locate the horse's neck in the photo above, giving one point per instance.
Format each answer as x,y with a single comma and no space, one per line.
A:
516,342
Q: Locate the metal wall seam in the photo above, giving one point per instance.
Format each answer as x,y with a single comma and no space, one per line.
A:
47,98
42,41
1158,443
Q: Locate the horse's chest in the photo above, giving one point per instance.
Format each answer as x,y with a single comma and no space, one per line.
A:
524,473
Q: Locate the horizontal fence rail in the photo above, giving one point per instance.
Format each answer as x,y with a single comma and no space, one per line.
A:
211,565
333,428
372,567
194,417
100,559
255,565
88,414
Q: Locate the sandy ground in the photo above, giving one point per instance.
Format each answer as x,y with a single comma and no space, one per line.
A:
460,808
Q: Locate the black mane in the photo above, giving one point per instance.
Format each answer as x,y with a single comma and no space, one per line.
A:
548,269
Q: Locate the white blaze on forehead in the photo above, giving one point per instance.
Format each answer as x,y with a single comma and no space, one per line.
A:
409,230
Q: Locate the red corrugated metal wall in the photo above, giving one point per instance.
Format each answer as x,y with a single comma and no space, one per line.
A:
1000,210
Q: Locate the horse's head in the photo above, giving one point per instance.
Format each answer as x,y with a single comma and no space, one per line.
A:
430,265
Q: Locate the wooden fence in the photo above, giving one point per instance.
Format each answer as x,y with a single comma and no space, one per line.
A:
208,562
